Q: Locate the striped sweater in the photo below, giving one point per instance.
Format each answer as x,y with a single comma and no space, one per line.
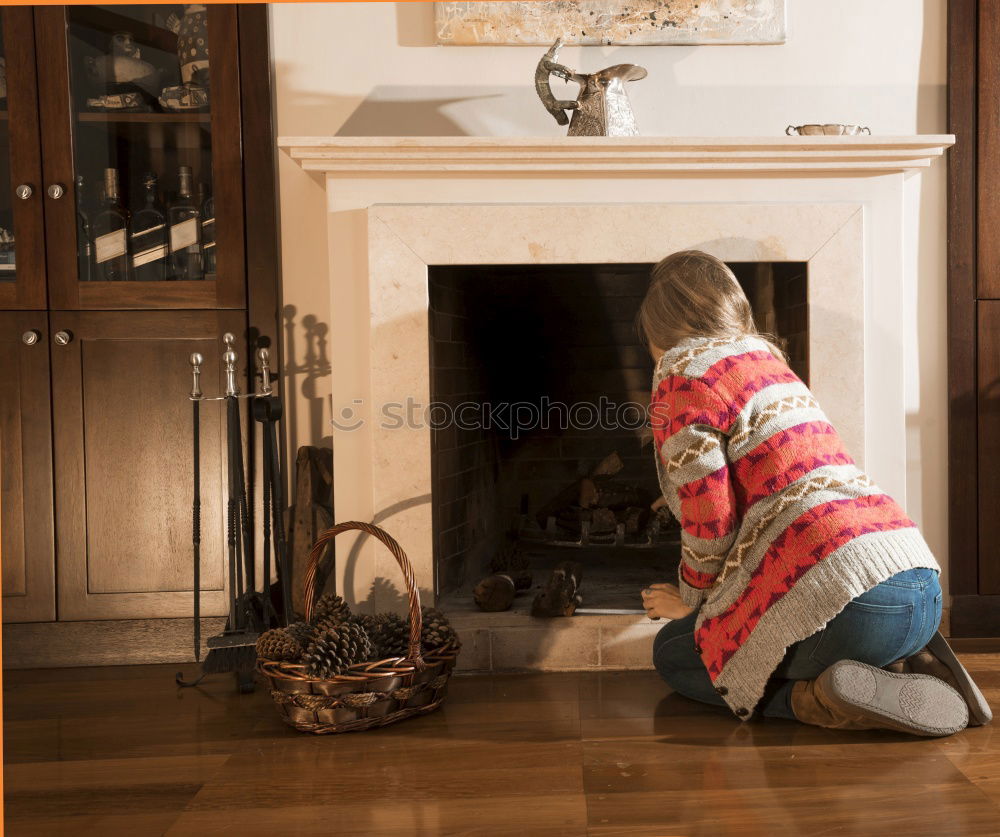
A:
779,527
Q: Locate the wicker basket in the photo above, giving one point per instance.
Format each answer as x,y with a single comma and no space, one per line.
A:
371,694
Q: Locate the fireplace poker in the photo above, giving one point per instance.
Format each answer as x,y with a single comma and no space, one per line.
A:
196,361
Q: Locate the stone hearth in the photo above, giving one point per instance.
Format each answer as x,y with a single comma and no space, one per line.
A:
399,205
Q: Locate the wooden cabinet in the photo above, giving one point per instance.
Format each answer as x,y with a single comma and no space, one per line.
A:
82,143
95,426
988,418
123,452
22,243
26,514
974,318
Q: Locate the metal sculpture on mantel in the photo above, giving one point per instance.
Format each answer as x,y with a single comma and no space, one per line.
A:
601,109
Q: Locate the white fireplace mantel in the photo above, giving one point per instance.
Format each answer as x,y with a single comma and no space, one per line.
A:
397,206
842,155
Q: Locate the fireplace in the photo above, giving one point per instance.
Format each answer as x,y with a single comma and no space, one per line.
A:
537,378
408,216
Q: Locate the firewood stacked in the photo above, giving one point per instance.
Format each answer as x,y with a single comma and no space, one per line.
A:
602,503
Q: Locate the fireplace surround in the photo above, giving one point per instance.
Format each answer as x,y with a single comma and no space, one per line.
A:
398,207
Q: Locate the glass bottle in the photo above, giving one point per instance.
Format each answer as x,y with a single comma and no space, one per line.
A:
149,236
111,234
208,252
185,230
84,234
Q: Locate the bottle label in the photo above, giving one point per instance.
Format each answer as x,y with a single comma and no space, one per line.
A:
109,246
184,234
151,255
147,250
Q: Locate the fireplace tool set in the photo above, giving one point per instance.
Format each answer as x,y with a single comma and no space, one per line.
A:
251,611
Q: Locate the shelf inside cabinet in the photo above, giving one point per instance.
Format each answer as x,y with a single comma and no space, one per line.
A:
149,118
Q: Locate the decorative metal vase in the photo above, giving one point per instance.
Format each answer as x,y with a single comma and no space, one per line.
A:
602,107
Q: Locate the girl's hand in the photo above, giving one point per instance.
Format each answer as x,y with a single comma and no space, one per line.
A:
664,601
656,505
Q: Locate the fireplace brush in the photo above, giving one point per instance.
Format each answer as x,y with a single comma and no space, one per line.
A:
250,611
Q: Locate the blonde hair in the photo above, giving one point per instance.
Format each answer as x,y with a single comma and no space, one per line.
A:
695,294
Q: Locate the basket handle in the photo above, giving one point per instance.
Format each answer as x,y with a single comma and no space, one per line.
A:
413,597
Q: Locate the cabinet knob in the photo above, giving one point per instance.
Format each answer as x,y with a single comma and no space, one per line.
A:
31,336
56,191
63,338
24,191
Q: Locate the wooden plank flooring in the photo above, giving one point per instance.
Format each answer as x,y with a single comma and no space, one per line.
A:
108,751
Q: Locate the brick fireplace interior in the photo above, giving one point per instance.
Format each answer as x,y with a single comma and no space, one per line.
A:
542,336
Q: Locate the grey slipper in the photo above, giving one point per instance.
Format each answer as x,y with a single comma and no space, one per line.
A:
979,710
915,703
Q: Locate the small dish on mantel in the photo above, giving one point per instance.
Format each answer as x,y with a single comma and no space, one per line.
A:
828,129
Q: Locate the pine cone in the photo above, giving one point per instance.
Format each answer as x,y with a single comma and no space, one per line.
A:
278,644
337,649
332,620
330,609
437,630
390,635
302,632
509,559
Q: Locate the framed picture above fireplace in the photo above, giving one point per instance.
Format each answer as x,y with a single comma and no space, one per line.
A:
589,22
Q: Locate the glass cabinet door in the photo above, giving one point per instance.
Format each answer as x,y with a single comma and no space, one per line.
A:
22,262
143,189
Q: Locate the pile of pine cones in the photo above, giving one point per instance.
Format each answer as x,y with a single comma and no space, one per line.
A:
335,639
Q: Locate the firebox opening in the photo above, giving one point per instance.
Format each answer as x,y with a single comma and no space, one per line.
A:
537,379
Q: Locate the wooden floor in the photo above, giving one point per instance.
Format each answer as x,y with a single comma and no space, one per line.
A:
120,751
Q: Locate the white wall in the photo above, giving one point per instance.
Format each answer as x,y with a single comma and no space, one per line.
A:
373,69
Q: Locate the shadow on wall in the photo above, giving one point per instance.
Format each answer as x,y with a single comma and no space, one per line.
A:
384,593
376,116
400,110
306,362
452,111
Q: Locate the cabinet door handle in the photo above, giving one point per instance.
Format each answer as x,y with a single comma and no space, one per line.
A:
56,191
31,337
24,191
63,338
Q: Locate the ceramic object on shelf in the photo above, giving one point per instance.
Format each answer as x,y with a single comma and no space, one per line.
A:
184,97
123,70
192,43
192,55
119,103
827,129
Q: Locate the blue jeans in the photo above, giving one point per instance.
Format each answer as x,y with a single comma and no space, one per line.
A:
892,620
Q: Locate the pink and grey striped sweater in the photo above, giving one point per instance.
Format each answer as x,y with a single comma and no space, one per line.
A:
780,529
